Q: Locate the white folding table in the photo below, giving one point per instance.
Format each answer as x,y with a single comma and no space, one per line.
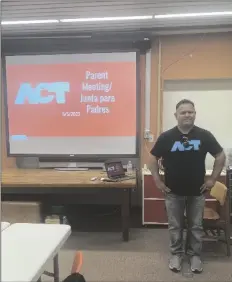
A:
26,248
4,225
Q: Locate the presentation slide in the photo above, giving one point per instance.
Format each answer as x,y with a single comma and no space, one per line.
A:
72,104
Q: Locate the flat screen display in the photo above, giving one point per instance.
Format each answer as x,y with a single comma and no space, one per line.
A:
74,104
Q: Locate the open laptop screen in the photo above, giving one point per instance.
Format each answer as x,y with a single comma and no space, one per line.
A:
114,169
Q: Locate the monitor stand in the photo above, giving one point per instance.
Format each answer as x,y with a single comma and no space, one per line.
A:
71,168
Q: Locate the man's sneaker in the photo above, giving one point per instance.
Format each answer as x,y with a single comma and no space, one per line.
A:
175,263
196,264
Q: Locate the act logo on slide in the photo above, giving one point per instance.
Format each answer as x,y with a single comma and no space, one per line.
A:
32,95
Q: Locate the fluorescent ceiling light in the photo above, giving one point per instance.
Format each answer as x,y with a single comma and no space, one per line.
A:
29,22
229,13
106,19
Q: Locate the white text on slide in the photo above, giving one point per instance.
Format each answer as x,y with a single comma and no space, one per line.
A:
96,99
71,114
96,75
97,110
97,87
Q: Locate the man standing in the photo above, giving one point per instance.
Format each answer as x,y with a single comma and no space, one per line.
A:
183,151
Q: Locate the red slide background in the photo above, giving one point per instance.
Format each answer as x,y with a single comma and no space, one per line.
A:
46,120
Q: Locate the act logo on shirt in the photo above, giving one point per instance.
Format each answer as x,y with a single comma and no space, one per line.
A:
194,145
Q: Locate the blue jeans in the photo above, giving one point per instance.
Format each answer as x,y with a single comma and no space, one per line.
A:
176,207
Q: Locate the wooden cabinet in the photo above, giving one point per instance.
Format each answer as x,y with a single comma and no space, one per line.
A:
153,204
154,212
150,190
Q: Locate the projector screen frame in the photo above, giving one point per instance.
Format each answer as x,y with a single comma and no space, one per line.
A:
74,157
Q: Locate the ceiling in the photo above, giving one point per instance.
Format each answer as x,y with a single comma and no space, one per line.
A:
60,9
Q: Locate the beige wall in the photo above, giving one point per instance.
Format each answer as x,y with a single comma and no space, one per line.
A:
182,57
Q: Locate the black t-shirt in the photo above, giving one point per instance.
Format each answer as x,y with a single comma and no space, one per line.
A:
184,158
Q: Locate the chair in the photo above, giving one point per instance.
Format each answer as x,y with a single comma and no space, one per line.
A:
217,220
75,275
77,263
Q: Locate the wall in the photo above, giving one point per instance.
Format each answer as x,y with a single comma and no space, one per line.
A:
182,57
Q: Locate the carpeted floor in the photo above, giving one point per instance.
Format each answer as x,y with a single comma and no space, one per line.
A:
144,258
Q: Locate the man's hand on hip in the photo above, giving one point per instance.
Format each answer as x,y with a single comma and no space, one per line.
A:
208,185
162,187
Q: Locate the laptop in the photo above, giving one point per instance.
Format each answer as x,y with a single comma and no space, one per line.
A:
115,171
